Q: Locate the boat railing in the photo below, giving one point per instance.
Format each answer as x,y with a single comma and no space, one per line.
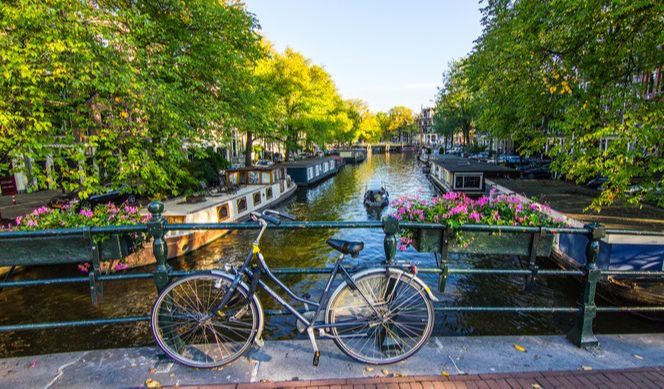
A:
157,227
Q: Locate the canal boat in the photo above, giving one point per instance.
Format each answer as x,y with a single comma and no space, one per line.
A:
455,174
253,189
312,171
376,198
353,155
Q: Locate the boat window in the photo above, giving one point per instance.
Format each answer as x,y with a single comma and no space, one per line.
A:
317,170
468,181
222,212
241,204
257,198
310,173
268,193
253,178
266,178
325,167
331,164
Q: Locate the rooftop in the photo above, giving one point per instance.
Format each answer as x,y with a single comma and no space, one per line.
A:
457,164
306,162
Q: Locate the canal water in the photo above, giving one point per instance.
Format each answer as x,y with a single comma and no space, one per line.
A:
338,198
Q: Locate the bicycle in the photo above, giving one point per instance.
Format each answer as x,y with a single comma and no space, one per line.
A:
380,315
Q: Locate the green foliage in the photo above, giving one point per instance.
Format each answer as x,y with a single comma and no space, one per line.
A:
454,110
118,92
569,75
203,167
400,123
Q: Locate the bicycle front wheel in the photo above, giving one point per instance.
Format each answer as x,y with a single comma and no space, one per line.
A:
186,329
385,319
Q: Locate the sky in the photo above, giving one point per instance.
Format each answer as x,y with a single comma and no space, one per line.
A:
385,52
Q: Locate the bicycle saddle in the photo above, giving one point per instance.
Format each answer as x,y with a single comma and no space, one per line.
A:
346,247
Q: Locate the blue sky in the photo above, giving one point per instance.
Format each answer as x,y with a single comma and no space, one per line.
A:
386,52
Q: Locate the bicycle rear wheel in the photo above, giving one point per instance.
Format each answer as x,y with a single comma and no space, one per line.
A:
188,332
385,320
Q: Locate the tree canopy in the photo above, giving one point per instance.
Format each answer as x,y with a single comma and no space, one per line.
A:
573,77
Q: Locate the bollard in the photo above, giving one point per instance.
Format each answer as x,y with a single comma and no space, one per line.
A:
390,227
582,334
159,246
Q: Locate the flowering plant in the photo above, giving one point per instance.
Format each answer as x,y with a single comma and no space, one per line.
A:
68,216
454,209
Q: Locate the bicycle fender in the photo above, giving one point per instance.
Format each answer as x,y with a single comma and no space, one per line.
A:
391,270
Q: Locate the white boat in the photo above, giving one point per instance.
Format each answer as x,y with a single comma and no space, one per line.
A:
257,188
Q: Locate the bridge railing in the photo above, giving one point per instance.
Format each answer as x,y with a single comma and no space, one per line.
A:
589,275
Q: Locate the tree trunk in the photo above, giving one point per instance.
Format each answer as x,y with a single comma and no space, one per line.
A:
247,149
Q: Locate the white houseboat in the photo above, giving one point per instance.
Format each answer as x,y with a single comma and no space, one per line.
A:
255,189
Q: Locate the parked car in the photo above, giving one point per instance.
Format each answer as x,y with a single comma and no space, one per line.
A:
509,159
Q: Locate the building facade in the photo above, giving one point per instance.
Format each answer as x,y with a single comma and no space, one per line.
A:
428,135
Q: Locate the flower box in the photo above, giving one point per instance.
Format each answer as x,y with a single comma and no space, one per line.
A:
25,251
477,242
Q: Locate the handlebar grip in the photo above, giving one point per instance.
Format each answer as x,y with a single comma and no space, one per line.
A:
272,219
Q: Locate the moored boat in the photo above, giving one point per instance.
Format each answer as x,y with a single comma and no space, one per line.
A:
312,171
353,155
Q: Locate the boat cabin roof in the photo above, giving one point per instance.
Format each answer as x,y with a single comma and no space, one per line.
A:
306,162
456,164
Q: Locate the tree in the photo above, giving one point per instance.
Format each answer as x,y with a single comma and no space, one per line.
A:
454,112
575,77
120,93
308,106
401,122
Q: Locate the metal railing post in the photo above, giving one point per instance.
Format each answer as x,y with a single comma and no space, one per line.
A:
582,334
391,228
442,261
159,246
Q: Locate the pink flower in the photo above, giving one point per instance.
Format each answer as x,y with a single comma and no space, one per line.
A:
476,217
121,266
496,216
87,213
18,220
31,223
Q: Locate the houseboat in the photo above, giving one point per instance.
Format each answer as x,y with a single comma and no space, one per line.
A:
253,189
353,155
312,171
456,174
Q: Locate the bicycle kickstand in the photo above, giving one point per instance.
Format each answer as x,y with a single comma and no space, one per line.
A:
312,338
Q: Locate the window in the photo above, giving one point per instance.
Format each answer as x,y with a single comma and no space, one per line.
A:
257,198
268,193
310,173
468,181
326,167
253,178
265,179
241,204
331,164
317,170
222,212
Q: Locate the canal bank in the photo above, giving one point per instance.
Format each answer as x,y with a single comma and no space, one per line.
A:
291,360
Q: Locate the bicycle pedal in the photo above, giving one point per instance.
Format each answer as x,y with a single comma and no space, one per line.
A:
316,358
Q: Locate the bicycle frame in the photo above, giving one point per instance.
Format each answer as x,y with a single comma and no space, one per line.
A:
245,271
